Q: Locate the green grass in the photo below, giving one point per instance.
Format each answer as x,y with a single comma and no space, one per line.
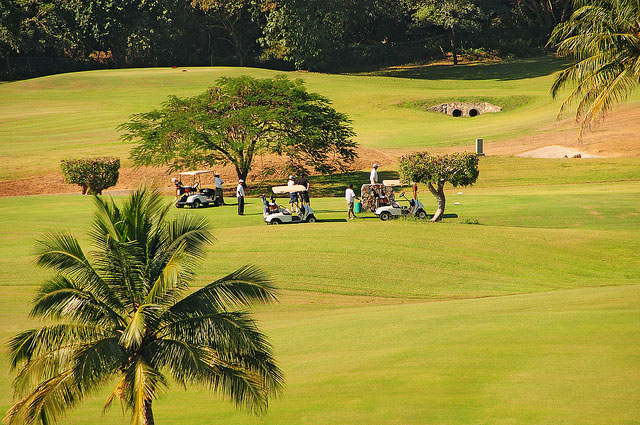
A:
507,103
522,307
75,115
562,350
563,357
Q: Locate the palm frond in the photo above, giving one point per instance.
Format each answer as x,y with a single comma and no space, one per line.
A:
142,383
61,297
95,362
135,331
232,331
246,286
603,36
35,342
170,277
46,402
62,252
187,363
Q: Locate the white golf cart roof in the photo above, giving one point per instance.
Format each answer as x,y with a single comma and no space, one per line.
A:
288,189
195,173
391,183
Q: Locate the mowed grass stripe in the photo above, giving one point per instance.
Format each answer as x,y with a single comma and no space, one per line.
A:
565,357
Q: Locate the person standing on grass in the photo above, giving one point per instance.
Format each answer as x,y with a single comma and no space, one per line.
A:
373,177
293,196
219,184
240,195
304,195
350,196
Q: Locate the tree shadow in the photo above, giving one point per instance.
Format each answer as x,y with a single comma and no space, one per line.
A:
503,71
336,184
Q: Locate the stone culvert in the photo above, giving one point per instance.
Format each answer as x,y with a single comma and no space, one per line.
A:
461,109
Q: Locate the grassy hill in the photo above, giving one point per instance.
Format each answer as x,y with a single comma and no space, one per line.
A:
47,119
522,307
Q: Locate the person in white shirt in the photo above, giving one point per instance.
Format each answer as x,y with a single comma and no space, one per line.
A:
373,178
219,184
350,196
293,196
240,195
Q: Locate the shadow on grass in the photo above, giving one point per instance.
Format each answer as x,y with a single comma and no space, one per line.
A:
323,185
516,70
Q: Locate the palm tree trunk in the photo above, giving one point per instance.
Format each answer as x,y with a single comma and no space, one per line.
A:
148,413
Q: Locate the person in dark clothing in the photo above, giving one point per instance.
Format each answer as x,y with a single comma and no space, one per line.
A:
304,196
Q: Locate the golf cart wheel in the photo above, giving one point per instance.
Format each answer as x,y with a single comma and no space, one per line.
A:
179,205
384,216
196,204
421,214
311,219
276,221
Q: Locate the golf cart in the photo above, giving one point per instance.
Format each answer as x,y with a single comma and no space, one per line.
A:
195,196
275,214
394,210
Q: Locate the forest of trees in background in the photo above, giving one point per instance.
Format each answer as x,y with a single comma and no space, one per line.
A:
39,37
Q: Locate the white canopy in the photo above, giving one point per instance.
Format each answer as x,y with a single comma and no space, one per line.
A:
195,173
391,183
288,189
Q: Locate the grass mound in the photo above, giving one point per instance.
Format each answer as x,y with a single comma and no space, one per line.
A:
507,103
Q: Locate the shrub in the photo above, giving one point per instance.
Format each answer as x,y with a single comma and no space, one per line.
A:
93,174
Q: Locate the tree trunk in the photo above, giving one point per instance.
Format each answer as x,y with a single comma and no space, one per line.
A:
148,413
439,194
452,41
242,174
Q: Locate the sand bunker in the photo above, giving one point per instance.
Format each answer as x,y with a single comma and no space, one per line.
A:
556,152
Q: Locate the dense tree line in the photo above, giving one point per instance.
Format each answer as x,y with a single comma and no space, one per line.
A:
305,34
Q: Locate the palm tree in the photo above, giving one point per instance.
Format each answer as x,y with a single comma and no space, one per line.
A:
122,315
604,37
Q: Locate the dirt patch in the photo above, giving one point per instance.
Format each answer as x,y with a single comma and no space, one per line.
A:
131,178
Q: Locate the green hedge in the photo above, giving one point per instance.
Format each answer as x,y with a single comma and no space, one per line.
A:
92,174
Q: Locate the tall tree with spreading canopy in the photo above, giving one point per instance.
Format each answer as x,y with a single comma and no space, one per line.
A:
604,38
231,17
459,169
452,15
123,314
240,119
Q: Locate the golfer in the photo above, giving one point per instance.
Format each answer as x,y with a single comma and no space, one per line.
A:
350,196
293,196
219,184
304,195
240,195
373,178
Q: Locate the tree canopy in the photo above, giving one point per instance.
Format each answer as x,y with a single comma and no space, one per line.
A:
452,15
48,36
603,37
458,169
124,314
240,119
